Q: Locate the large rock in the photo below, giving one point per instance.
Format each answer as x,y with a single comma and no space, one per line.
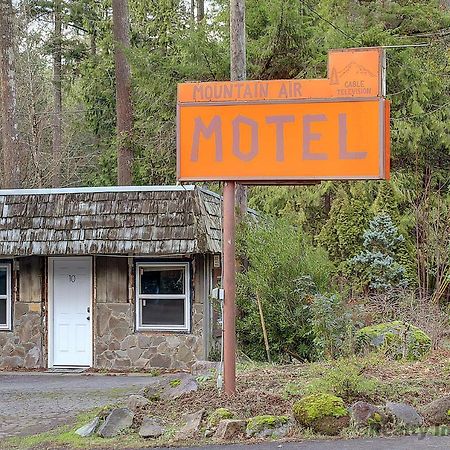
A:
117,421
268,426
179,386
230,429
151,428
192,425
136,402
88,429
438,411
397,339
366,414
404,414
170,387
217,415
324,413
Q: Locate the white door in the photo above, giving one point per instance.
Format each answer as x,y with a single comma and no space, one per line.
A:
72,330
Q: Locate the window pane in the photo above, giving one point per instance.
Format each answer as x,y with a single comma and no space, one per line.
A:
2,311
3,275
163,312
162,281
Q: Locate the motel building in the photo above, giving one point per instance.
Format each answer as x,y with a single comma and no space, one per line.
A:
108,278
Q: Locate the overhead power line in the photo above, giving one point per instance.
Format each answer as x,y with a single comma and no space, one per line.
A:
340,30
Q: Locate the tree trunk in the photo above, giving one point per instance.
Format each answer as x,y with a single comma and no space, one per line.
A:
124,109
10,129
192,10
200,10
57,95
238,73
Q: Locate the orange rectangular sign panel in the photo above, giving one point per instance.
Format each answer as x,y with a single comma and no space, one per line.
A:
288,130
306,141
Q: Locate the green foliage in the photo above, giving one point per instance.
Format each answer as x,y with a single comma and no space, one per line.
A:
316,406
348,218
376,266
345,380
284,271
396,339
333,326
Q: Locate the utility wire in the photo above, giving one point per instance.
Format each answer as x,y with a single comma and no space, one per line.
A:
340,30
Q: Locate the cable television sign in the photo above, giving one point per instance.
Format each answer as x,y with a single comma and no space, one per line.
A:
288,130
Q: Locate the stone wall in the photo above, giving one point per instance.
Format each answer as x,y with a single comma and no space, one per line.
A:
116,343
119,347
23,346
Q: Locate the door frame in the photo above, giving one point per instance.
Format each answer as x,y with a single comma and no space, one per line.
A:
51,299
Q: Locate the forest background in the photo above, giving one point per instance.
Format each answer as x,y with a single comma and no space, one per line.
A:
326,259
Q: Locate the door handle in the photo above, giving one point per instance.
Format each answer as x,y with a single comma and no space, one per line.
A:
88,309
88,318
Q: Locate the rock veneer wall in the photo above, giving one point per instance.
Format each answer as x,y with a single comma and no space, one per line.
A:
118,346
23,345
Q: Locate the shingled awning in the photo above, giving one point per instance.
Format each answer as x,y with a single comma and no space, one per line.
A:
159,220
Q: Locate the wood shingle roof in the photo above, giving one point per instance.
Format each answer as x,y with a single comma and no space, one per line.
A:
169,220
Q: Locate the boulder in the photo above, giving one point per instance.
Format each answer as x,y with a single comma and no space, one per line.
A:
170,387
136,402
438,411
192,424
324,413
366,414
150,428
268,426
330,426
229,429
118,420
397,339
179,386
404,414
217,415
88,429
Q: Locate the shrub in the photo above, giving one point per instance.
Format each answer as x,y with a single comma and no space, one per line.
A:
333,326
344,380
284,271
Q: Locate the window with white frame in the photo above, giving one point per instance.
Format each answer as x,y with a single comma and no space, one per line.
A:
162,296
5,297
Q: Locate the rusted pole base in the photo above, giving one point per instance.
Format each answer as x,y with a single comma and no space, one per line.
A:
229,284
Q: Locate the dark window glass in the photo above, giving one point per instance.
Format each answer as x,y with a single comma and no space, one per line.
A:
164,281
163,312
3,311
3,275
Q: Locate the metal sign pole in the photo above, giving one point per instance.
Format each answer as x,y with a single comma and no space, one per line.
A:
229,284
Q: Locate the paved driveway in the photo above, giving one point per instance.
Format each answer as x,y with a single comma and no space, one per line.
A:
33,403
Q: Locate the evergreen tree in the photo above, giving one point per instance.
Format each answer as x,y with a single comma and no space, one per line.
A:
376,264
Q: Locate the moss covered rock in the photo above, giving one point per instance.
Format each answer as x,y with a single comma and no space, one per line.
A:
397,339
324,413
367,415
216,416
267,425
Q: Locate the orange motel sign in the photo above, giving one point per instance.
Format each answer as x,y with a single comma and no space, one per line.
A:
288,130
